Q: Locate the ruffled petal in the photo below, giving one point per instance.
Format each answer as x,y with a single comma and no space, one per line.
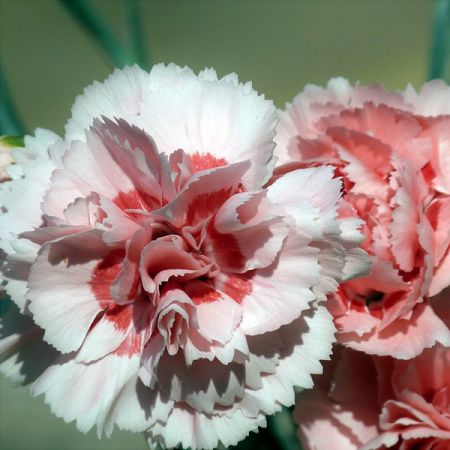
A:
62,301
86,393
24,355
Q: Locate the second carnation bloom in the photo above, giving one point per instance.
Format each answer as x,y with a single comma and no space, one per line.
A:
391,150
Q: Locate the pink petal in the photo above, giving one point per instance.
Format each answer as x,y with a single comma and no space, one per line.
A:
404,338
363,169
204,194
122,285
405,219
323,425
119,330
165,259
134,151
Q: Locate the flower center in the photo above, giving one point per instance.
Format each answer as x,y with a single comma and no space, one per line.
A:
374,296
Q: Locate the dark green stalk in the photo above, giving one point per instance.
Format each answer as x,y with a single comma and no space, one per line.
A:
83,12
5,304
282,428
10,122
136,33
440,50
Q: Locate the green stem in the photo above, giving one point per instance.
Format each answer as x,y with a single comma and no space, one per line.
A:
10,122
83,12
283,430
135,30
440,49
5,304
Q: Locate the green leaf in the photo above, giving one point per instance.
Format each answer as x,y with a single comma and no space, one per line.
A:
12,141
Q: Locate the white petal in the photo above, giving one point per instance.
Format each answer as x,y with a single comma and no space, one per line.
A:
62,301
23,353
203,385
85,392
282,291
198,114
228,429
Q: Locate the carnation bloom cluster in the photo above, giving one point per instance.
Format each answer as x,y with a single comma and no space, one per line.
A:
164,280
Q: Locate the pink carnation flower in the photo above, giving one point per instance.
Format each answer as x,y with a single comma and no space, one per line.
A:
393,152
376,403
181,294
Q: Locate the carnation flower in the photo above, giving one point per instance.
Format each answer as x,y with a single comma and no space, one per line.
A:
393,152
385,403
181,294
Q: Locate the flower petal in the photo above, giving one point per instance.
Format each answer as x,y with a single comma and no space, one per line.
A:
62,301
24,355
85,392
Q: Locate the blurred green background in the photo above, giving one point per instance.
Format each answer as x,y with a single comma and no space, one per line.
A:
279,45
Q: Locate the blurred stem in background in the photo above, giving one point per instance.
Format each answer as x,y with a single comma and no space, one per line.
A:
280,434
136,33
440,47
10,122
83,12
283,430
91,20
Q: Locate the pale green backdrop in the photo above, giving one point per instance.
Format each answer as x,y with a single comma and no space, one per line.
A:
280,45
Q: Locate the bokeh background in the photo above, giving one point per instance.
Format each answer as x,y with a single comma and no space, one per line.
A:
279,45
